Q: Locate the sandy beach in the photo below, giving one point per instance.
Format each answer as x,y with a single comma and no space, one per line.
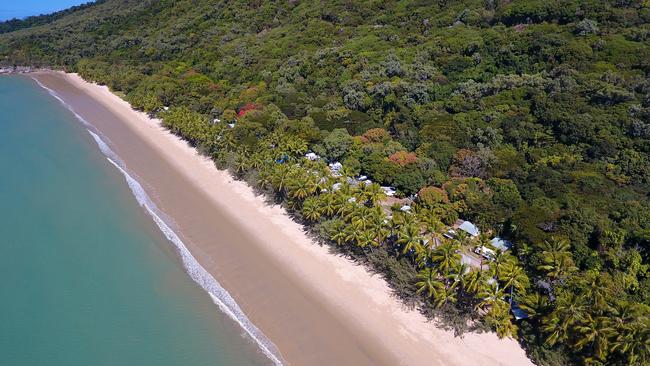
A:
316,307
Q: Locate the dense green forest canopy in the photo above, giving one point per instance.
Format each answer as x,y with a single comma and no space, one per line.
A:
32,21
531,118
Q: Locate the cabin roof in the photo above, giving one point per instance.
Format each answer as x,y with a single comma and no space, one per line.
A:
469,228
500,243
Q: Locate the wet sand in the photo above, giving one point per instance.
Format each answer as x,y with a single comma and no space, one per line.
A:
317,308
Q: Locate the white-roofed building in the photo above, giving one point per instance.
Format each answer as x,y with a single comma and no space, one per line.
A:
500,243
335,168
469,228
312,156
390,191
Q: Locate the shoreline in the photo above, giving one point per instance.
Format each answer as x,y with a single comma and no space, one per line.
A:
316,307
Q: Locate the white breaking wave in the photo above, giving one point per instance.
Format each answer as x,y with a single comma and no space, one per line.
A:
200,275
66,105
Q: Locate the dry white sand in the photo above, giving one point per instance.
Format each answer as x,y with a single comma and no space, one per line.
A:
359,298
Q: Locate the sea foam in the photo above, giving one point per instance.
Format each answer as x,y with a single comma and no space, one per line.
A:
200,275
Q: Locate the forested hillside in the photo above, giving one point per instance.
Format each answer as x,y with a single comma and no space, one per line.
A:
530,118
32,21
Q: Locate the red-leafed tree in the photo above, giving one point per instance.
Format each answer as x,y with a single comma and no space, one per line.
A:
247,108
403,158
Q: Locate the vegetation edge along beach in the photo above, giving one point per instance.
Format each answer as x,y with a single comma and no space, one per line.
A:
347,295
511,139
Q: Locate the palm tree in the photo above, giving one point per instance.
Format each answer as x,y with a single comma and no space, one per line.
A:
359,217
499,259
295,146
352,234
430,221
458,272
423,258
264,178
569,311
324,182
409,238
377,222
310,209
405,219
462,238
535,304
301,185
633,341
327,204
595,332
226,141
427,281
256,161
339,235
279,177
446,257
472,281
371,194
595,288
498,318
483,241
556,259
272,140
490,296
394,225
624,313
343,173
365,238
445,294
241,163
345,189
514,277
347,208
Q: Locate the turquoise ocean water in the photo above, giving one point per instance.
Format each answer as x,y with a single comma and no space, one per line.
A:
86,276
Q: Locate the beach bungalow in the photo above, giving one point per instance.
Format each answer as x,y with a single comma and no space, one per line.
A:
390,191
499,243
312,156
335,168
469,228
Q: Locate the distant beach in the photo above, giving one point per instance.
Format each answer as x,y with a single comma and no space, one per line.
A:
316,307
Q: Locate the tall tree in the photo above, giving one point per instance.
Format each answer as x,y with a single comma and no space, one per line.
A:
446,257
409,238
